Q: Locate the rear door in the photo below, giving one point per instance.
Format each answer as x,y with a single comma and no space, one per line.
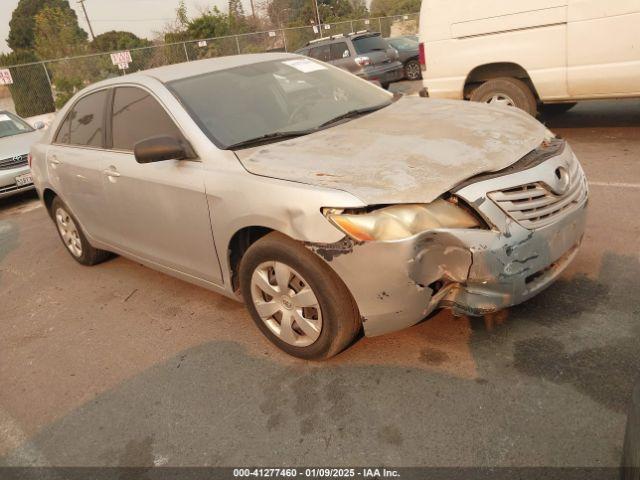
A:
341,56
603,47
158,211
75,162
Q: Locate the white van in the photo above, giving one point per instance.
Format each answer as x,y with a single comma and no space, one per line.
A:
530,53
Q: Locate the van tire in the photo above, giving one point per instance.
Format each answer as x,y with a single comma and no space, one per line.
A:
507,90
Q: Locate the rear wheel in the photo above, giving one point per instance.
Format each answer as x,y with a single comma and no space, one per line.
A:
296,300
412,70
507,91
73,237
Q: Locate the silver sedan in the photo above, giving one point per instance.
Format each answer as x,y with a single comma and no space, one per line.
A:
325,203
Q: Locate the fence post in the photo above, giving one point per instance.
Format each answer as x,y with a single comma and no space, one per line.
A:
238,45
48,77
284,39
379,26
351,22
186,54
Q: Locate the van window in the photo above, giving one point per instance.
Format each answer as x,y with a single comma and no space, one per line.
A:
84,124
339,50
369,44
136,115
323,52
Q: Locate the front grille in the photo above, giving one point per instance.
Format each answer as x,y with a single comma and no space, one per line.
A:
13,162
535,205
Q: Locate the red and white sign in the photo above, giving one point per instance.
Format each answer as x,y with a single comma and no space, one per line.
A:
120,58
123,66
5,77
202,43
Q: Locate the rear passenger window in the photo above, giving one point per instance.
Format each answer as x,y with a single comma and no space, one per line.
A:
339,50
323,52
84,124
137,116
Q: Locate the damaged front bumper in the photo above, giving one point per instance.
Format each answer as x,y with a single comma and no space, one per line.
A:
398,283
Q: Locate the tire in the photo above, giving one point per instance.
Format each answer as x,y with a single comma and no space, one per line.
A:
557,108
508,91
72,236
412,70
385,85
339,320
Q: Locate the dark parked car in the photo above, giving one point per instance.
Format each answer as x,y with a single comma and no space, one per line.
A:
407,47
364,54
631,451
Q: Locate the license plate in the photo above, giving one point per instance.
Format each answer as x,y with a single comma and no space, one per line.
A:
24,179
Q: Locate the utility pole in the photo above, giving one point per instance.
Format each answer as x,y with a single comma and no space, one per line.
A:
318,15
253,11
81,2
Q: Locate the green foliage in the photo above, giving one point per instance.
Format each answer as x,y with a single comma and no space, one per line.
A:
22,24
385,8
57,33
30,90
117,40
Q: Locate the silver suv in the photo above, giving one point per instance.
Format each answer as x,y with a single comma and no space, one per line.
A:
364,54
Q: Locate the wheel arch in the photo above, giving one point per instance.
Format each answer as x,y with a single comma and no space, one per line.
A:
488,71
238,244
47,197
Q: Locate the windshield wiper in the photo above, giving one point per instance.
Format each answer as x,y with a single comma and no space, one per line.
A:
353,113
269,137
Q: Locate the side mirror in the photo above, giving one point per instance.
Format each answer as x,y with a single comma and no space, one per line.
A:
39,125
160,148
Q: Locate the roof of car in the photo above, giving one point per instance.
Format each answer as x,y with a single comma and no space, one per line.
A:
176,71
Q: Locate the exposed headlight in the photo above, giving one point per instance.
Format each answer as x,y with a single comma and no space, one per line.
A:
401,221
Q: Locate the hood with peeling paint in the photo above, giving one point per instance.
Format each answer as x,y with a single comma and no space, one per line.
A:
411,151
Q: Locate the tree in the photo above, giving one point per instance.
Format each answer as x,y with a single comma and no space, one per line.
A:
57,33
117,40
22,23
30,90
385,8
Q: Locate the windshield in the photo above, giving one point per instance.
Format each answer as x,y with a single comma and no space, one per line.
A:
369,44
275,97
403,43
12,125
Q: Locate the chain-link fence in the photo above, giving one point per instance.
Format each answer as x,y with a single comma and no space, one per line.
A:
42,87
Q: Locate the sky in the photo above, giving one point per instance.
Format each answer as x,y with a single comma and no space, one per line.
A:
142,17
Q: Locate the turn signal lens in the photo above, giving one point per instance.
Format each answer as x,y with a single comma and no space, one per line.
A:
29,160
401,221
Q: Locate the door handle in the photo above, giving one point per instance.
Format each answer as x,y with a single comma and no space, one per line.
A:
110,173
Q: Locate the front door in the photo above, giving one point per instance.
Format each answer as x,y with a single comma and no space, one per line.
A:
158,211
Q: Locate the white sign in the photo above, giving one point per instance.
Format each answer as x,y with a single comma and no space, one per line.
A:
120,58
202,43
327,27
5,77
123,66
366,22
406,17
315,29
272,34
305,66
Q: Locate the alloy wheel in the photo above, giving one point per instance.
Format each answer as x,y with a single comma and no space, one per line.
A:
68,232
286,303
412,71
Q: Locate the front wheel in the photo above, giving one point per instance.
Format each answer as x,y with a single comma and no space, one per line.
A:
412,70
507,91
296,300
73,237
